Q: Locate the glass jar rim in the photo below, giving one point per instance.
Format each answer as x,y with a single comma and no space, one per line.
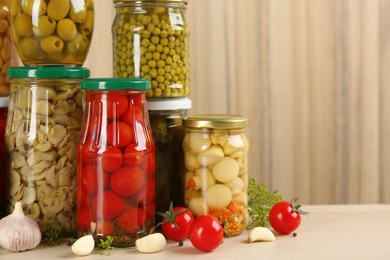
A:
224,121
115,84
48,72
150,1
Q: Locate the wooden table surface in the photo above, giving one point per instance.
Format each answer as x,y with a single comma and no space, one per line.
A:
329,232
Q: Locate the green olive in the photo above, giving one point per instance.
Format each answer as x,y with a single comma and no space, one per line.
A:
58,9
78,11
161,50
28,47
45,26
31,7
23,25
79,45
86,28
66,29
52,44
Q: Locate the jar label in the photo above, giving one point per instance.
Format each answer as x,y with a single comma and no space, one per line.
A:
176,21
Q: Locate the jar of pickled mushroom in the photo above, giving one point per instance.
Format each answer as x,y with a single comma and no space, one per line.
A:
52,32
216,179
166,117
116,162
151,41
7,55
43,127
3,155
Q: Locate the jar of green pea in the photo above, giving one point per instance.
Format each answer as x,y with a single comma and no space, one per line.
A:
151,41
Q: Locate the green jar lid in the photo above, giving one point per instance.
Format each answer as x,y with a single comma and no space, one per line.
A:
115,84
222,121
48,72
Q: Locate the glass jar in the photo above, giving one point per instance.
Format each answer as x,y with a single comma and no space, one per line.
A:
216,178
166,119
3,156
43,126
116,162
52,32
7,56
151,41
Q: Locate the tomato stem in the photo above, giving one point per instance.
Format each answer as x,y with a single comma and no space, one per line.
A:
169,216
297,207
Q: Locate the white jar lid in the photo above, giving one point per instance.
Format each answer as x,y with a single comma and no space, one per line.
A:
4,101
169,103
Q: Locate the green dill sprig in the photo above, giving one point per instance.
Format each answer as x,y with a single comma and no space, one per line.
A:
260,203
52,236
106,245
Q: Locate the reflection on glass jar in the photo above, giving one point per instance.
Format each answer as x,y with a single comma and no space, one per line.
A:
52,32
216,178
151,41
3,156
43,127
116,162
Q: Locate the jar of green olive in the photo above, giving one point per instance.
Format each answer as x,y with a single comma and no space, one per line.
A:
52,32
216,179
151,41
166,117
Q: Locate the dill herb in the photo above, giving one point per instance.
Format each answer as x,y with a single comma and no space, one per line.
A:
106,245
52,236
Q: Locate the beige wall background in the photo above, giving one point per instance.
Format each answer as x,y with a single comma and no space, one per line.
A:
312,76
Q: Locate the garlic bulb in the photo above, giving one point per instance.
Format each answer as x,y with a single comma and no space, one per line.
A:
18,232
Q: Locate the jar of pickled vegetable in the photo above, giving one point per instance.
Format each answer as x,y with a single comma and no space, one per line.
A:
216,178
116,162
52,32
151,41
43,126
7,55
3,155
166,117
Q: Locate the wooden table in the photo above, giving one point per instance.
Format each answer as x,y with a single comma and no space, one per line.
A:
329,232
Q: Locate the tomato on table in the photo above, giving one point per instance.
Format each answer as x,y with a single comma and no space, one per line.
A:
107,205
206,233
285,216
127,181
176,223
111,159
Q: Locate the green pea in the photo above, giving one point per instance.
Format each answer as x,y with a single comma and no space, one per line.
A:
45,26
156,56
153,73
152,63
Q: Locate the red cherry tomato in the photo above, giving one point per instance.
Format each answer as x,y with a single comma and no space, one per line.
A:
285,216
104,227
127,181
83,219
93,180
116,105
119,134
132,156
111,159
131,220
206,233
132,115
176,223
107,205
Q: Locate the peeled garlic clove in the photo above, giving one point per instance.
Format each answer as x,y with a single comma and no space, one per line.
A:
18,232
83,246
260,234
152,243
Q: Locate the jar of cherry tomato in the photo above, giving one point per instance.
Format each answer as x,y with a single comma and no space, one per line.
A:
116,162
3,154
216,178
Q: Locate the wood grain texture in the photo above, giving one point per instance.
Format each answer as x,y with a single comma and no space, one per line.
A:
311,76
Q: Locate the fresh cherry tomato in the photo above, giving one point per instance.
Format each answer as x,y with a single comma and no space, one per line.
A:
119,134
131,220
285,216
116,105
107,205
111,159
128,181
176,223
206,233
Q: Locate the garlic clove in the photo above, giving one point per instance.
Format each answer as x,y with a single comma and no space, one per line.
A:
83,246
18,232
260,234
152,243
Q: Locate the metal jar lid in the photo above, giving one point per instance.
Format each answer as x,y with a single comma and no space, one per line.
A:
223,121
